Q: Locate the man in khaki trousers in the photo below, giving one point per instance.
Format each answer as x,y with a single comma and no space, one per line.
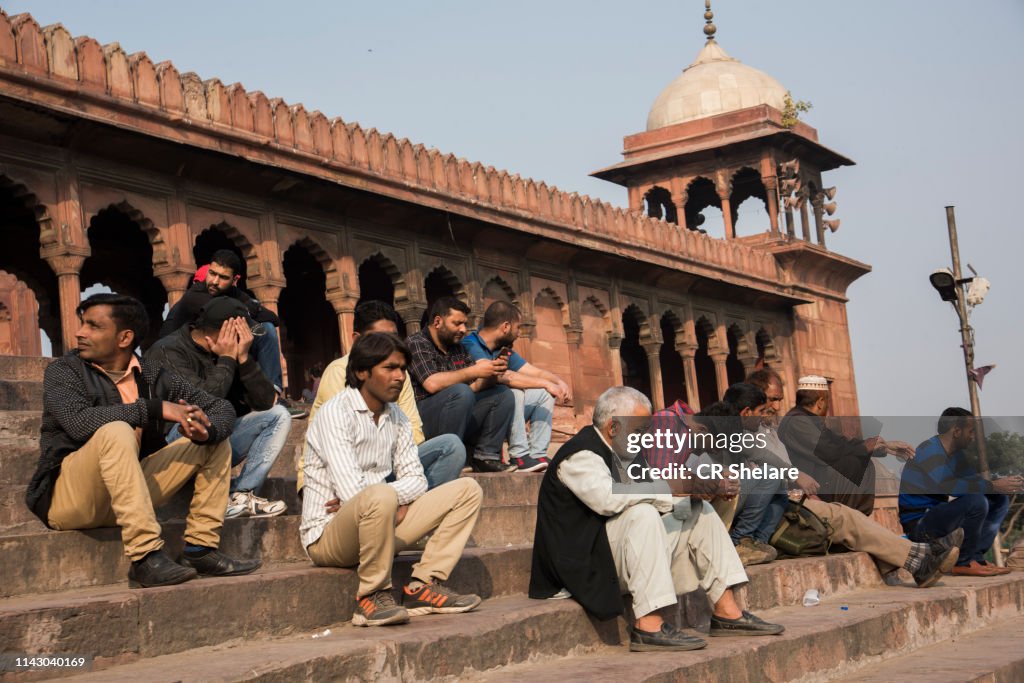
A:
360,450
104,461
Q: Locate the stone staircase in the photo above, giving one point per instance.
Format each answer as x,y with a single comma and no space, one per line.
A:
66,593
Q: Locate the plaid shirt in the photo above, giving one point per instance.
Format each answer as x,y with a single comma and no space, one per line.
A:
670,418
427,360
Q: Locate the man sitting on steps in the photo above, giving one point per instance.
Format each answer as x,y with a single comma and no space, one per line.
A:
594,542
104,461
358,439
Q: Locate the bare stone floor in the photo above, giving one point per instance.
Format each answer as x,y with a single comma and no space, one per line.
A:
65,592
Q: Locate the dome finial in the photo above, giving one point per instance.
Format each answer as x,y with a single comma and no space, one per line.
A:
709,27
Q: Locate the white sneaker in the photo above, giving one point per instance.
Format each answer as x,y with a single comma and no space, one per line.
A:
248,504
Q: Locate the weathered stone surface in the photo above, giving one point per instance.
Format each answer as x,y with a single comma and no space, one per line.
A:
28,368
21,395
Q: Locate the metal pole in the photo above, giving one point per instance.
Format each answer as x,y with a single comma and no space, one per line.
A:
967,337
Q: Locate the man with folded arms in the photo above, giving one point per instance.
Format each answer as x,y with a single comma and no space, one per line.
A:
213,353
104,461
597,540
939,471
358,439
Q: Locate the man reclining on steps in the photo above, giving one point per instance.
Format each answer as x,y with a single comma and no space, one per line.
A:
104,461
595,542
357,440
925,561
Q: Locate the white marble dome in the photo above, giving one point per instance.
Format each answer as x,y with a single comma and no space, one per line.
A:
714,84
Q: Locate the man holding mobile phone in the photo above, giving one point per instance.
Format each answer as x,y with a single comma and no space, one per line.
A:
535,390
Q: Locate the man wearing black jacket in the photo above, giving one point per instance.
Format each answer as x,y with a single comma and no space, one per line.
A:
222,276
213,354
104,461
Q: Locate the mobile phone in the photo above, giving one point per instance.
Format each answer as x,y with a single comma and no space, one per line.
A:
505,352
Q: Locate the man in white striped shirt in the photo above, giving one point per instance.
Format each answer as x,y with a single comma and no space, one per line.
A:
357,440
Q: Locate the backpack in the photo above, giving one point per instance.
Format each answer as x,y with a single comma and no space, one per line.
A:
801,533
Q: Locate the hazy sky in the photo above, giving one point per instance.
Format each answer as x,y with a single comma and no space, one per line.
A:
925,96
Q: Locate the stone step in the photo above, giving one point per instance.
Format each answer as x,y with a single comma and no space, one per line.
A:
989,655
819,642
14,514
118,623
19,456
517,639
24,367
21,395
38,560
20,423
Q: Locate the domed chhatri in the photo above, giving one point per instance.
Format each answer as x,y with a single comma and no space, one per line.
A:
714,84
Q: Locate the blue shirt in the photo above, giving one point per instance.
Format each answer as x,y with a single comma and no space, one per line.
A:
478,350
933,476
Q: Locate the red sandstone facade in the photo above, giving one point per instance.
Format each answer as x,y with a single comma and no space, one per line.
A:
118,171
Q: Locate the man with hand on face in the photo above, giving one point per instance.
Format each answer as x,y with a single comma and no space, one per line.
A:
596,540
359,441
454,395
104,460
213,354
221,280
535,390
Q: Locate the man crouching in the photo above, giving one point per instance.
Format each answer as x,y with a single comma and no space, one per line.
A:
594,543
360,450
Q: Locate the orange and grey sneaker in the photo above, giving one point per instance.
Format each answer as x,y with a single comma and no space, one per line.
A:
436,598
379,609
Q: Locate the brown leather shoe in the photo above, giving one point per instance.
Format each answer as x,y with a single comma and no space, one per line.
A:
996,571
974,568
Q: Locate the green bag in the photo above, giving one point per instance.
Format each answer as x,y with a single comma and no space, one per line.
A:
801,533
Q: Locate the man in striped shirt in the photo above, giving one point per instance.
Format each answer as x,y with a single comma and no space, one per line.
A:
357,440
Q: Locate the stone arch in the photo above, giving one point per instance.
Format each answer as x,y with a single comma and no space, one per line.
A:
707,381
497,289
673,374
636,330
702,193
550,339
381,280
26,228
658,204
767,351
739,348
440,282
19,318
746,184
593,356
309,324
223,235
123,250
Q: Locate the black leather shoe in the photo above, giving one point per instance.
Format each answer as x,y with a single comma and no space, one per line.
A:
157,569
747,625
490,465
215,563
954,539
668,639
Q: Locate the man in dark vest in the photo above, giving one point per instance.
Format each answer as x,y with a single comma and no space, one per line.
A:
596,539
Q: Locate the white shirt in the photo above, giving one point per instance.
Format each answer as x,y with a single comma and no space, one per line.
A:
587,476
346,452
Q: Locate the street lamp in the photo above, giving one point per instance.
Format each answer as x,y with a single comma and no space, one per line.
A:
964,294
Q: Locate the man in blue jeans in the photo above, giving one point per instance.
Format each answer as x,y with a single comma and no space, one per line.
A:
535,390
443,456
212,354
454,395
940,470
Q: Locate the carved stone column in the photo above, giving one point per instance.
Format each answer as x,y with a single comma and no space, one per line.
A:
688,352
411,313
749,363
771,188
653,351
614,344
805,221
345,307
527,333
721,371
730,230
574,336
67,266
176,282
819,226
